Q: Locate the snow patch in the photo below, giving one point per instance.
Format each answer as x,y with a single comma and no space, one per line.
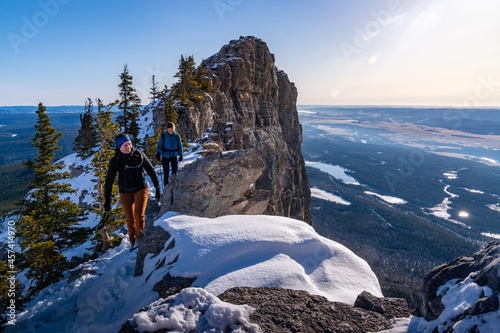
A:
387,198
495,207
336,171
457,296
451,175
494,236
320,194
195,309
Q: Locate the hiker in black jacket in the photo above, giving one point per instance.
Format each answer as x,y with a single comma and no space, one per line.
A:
130,164
169,147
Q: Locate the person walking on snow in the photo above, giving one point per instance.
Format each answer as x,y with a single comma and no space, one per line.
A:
169,147
130,164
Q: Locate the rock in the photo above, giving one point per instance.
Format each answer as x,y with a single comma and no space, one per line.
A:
388,307
217,185
78,273
485,264
286,310
248,90
171,285
153,241
76,261
484,305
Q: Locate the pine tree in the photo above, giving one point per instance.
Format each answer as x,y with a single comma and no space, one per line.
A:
47,223
151,144
129,104
155,92
192,85
86,139
107,130
134,127
169,109
46,264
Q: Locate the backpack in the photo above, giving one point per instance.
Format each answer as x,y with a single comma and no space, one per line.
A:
177,139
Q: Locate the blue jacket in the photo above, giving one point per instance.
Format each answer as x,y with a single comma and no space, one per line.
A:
169,145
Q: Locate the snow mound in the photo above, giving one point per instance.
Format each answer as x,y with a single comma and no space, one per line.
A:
264,251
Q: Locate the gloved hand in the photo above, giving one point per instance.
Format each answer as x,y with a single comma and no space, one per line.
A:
158,194
181,158
158,157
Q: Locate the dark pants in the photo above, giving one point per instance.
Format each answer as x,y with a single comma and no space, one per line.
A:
166,162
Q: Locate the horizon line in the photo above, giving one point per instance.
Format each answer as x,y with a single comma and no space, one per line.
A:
302,105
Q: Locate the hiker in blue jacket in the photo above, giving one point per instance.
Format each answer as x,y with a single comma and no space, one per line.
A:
169,147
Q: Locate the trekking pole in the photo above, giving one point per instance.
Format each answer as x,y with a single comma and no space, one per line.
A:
101,223
161,173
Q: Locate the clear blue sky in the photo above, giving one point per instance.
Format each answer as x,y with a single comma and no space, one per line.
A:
338,52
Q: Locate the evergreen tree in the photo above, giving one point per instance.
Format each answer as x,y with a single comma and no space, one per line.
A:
46,264
86,139
47,223
192,85
151,144
169,109
155,92
129,104
134,127
107,130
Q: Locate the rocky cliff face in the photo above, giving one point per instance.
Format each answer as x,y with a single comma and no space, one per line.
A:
249,90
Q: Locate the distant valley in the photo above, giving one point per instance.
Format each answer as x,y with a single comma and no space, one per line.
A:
421,189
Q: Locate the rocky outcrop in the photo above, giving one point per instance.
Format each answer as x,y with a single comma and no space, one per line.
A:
152,241
280,310
483,268
249,90
388,307
219,184
285,310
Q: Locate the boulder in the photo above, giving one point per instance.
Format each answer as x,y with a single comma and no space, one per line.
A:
483,268
388,307
216,185
153,241
286,310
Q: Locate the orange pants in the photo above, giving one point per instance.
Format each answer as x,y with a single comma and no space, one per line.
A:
134,205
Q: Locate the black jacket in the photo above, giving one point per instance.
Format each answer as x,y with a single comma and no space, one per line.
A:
130,168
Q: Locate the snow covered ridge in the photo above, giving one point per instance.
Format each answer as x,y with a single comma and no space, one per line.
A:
255,251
